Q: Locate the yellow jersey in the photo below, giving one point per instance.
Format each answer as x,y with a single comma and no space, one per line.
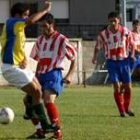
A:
13,41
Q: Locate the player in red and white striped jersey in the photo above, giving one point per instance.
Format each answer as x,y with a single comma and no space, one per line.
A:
136,37
50,50
116,41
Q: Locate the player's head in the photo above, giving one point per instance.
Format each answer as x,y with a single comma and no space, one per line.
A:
48,18
136,22
114,20
20,10
136,25
48,23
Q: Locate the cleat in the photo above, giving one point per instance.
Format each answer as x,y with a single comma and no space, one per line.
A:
57,135
123,115
130,113
54,137
37,135
26,117
51,129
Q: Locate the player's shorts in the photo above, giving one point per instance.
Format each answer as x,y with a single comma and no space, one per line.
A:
16,76
52,80
135,64
119,71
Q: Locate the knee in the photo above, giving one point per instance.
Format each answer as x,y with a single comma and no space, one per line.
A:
37,91
127,89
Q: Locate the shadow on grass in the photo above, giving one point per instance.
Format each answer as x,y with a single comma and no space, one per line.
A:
11,138
91,116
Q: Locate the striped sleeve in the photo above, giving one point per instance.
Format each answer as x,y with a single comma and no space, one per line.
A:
70,50
99,43
132,40
35,52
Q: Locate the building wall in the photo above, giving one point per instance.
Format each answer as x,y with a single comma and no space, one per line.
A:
84,12
91,11
134,7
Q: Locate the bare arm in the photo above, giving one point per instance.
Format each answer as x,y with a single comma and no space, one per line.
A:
37,16
132,46
94,56
24,62
67,78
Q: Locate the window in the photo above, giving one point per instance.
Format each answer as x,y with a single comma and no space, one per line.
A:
130,14
60,10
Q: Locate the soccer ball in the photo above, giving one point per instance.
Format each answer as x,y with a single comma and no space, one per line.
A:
6,115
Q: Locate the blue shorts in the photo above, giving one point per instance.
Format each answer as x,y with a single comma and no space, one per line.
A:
135,64
52,80
119,71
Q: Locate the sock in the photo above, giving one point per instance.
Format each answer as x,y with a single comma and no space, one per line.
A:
53,113
39,110
54,118
122,89
37,124
127,98
35,121
119,101
58,134
29,111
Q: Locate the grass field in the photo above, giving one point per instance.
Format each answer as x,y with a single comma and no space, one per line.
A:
85,113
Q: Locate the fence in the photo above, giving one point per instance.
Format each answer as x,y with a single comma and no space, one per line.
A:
77,77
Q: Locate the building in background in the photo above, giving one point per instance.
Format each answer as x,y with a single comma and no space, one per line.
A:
133,11
75,18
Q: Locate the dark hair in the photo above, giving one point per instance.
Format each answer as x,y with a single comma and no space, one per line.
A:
49,18
19,8
113,15
136,21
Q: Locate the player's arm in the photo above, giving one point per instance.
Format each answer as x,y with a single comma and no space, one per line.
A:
24,62
70,52
95,55
96,48
3,37
67,78
37,16
132,46
34,53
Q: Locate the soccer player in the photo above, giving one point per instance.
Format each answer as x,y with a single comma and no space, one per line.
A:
136,37
50,50
13,56
116,40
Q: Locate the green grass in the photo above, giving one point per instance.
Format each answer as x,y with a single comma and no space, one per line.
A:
85,113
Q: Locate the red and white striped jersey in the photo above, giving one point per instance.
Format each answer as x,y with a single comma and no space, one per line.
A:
115,45
50,52
136,38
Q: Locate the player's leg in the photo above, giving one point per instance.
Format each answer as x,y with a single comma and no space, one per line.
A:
52,111
25,80
30,115
126,80
127,99
119,99
114,77
28,103
35,90
52,84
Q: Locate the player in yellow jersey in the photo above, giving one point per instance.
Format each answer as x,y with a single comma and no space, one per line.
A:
14,59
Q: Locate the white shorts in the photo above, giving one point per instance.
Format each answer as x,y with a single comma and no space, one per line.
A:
16,76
